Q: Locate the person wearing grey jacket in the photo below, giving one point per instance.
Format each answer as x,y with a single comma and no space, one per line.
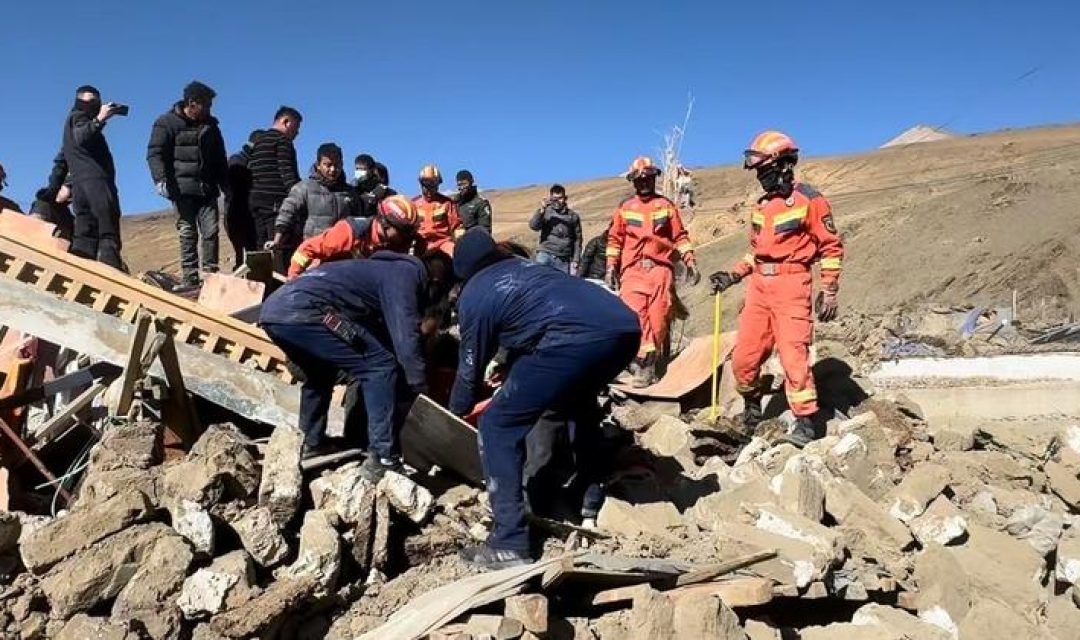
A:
560,232
315,204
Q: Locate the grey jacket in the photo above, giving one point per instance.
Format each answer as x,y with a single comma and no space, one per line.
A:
313,207
560,232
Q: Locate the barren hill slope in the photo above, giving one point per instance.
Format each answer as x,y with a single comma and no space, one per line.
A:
964,220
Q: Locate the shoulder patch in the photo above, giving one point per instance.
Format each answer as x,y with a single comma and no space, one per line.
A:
807,190
830,226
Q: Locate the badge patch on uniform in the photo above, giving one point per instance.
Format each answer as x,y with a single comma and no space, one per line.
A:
829,224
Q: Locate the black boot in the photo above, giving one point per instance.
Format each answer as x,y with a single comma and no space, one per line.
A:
752,412
374,468
802,433
485,557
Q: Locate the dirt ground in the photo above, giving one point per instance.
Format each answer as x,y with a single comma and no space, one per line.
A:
960,221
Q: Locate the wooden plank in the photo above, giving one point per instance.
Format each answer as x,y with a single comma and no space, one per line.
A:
686,372
257,395
57,424
189,427
735,592
713,571
133,369
433,436
228,294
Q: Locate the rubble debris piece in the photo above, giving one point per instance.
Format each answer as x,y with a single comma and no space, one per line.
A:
992,468
531,610
127,444
282,479
1034,441
380,540
862,457
630,520
1064,483
345,492
899,623
260,536
988,619
1067,569
758,630
320,551
81,528
942,523
223,450
798,562
264,610
225,584
457,497
847,631
653,616
10,531
705,617
83,627
714,509
824,540
193,522
918,488
670,437
752,451
157,581
1036,525
406,496
799,490
100,572
636,416
953,437
494,627
854,509
1062,619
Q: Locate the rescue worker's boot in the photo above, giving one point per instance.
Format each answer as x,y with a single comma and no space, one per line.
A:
753,413
643,371
374,467
803,432
490,559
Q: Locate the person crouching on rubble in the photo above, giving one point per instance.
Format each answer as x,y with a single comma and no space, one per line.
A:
565,344
362,317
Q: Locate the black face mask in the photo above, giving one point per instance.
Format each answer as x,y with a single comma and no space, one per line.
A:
777,178
89,107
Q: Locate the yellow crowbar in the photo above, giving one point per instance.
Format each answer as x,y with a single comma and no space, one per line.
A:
714,411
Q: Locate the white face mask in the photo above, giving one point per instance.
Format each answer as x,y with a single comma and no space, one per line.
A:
360,174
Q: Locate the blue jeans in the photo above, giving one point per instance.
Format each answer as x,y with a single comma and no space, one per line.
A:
565,379
320,355
551,260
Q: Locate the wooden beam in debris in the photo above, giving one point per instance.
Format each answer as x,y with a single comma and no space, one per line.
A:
254,394
111,292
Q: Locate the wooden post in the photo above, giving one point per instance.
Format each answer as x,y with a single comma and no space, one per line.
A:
133,370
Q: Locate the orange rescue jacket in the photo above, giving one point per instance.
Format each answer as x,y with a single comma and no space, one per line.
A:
648,228
439,220
350,237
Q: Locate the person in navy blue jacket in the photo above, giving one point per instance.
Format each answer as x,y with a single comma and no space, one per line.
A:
361,317
565,344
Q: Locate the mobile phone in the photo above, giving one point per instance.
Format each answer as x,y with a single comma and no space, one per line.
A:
121,109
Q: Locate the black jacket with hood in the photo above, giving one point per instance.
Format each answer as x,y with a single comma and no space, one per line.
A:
188,156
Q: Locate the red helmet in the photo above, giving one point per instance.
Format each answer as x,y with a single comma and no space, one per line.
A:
642,166
768,147
399,212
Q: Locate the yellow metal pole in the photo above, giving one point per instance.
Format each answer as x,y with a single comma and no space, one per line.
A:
715,410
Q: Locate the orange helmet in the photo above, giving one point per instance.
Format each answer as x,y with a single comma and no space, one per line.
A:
642,166
399,212
430,173
767,147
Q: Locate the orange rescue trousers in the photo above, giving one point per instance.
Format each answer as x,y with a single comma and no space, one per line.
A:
647,291
777,313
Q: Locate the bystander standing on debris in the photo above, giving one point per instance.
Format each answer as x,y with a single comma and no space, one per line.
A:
560,232
186,154
475,210
314,205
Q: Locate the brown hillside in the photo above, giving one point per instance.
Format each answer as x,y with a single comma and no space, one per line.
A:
964,220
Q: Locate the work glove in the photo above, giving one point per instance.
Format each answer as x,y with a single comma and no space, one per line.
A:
163,190
693,276
826,305
611,279
495,374
722,280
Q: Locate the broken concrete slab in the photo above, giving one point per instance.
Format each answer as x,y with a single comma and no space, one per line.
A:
992,468
758,630
260,536
531,610
1064,483
854,509
988,619
226,584
102,485
218,468
43,548
798,562
406,496
84,627
100,572
494,627
898,622
266,609
775,520
716,508
344,491
705,617
630,520
1067,569
191,521
1035,441
320,551
1062,619
282,479
847,631
154,586
864,456
941,523
917,490
652,616
798,488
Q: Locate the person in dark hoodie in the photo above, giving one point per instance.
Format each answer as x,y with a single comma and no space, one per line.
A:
314,205
186,154
361,317
565,344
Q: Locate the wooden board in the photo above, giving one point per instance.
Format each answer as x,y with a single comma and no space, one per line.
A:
432,436
686,372
735,592
18,225
228,294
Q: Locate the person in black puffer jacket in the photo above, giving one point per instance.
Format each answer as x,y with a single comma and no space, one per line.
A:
314,205
186,154
594,260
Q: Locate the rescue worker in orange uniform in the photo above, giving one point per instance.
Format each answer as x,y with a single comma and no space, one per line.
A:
440,221
393,228
791,229
645,236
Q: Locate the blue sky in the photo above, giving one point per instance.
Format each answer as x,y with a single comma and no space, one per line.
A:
533,92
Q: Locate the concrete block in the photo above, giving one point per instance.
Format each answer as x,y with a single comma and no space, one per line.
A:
852,508
263,611
191,521
705,617
282,479
495,627
953,437
260,536
918,488
942,523
669,437
531,609
345,492
226,584
631,520
320,551
406,496
824,540
798,489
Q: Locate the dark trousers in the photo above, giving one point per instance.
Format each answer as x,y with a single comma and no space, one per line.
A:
320,355
240,228
96,207
197,227
565,379
264,214
565,464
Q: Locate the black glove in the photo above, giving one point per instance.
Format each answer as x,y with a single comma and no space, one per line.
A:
826,305
611,279
722,280
693,276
